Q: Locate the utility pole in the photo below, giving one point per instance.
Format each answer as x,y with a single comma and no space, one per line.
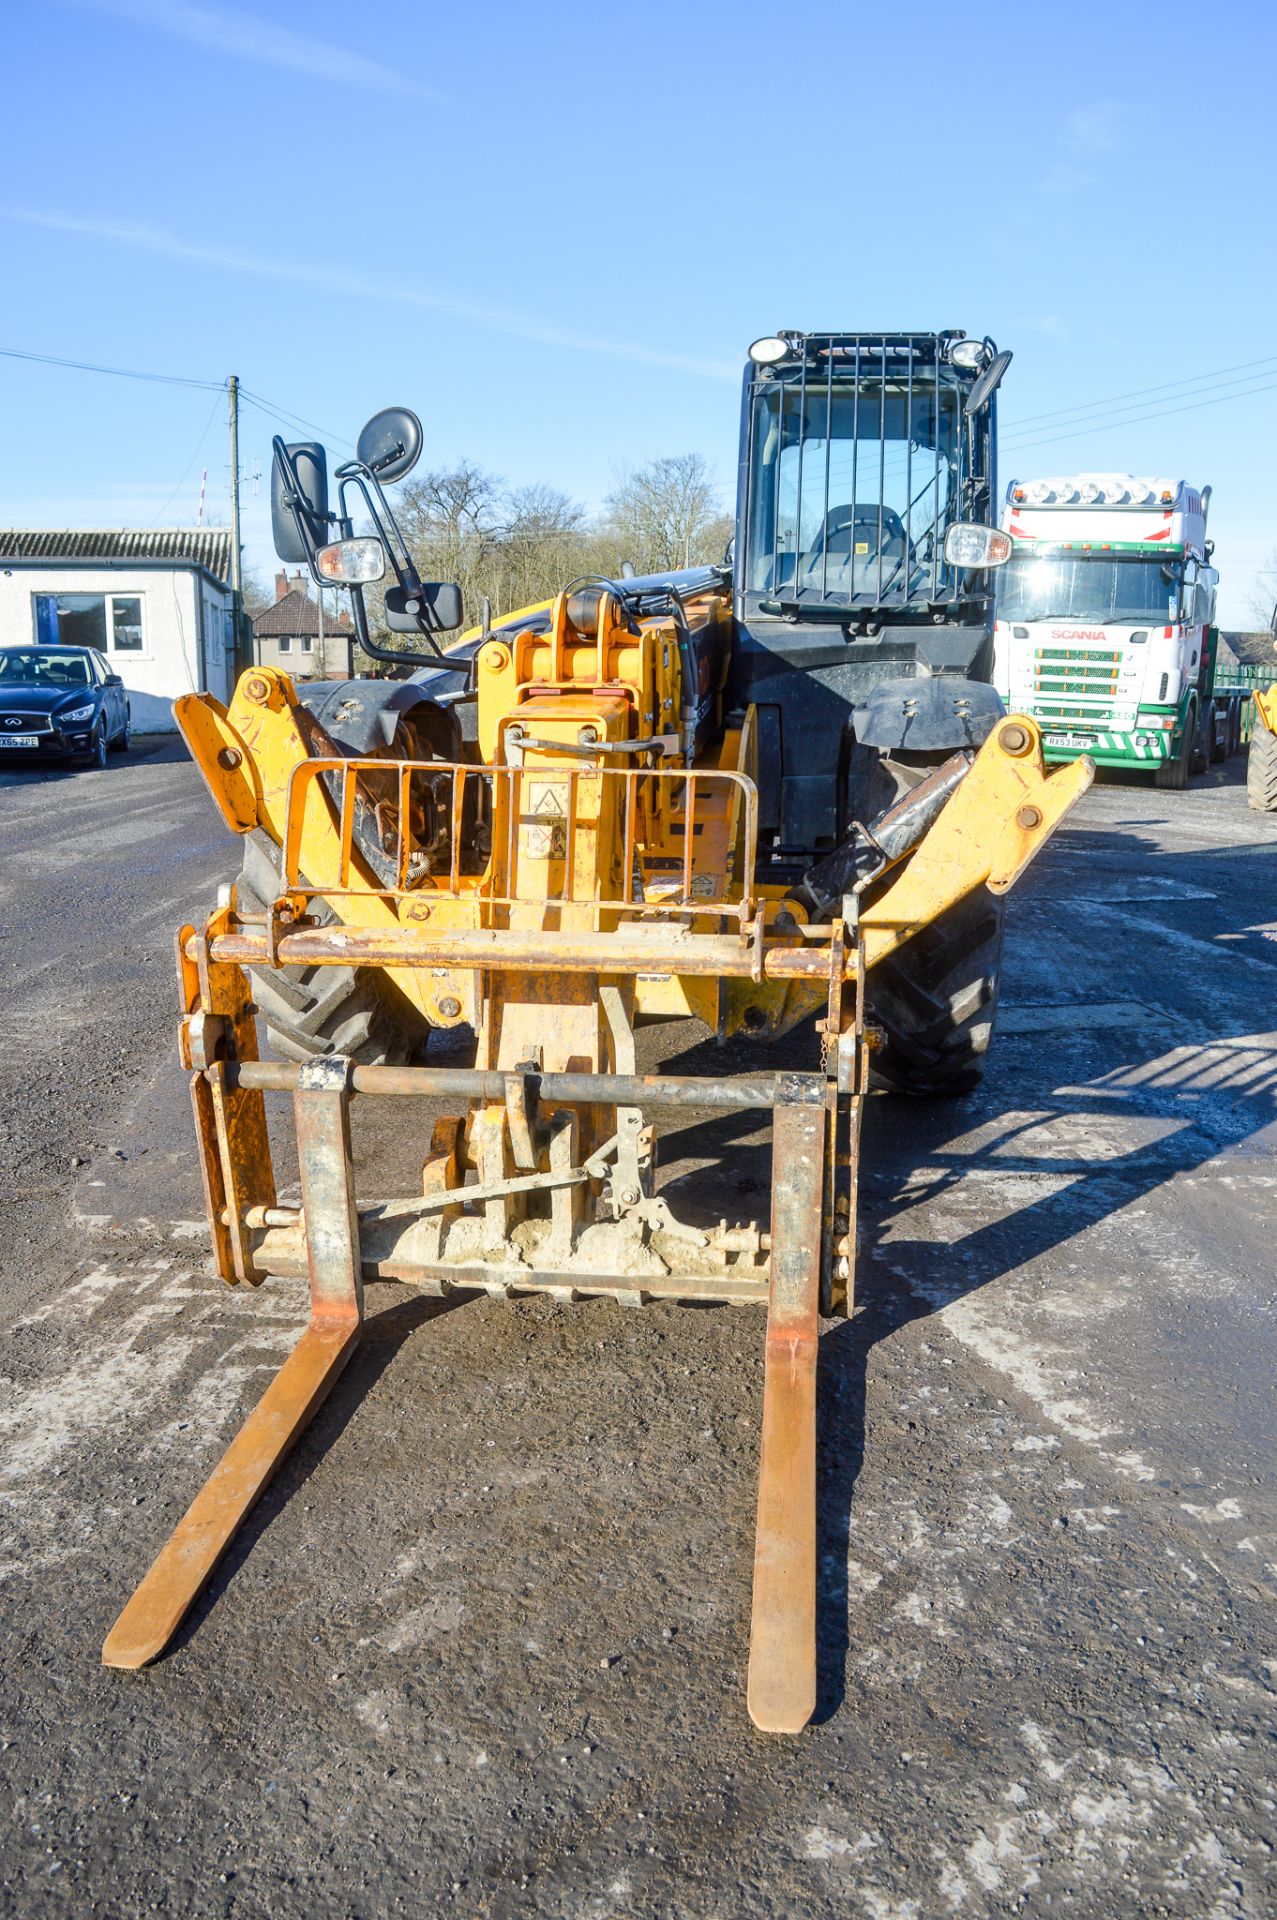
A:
237,573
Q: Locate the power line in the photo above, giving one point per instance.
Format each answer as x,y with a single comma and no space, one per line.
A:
122,373
1162,413
1115,399
190,463
287,419
1102,416
277,412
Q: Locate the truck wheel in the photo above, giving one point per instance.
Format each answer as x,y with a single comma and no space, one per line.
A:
1216,749
314,1010
1261,769
1202,751
1234,727
1174,773
935,1001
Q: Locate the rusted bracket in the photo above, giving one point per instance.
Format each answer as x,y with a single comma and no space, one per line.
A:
782,1652
200,1538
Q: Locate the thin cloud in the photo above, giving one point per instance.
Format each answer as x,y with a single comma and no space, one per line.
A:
244,36
522,326
1089,135
1094,130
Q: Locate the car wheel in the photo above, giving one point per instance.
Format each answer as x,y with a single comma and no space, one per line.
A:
124,737
97,748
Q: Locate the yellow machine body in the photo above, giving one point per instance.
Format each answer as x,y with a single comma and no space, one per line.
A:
592,866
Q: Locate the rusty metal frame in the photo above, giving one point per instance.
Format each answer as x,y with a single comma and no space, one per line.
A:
676,895
176,1578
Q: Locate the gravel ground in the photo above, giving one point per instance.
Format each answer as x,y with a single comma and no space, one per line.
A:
482,1649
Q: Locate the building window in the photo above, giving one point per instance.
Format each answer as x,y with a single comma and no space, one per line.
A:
285,643
111,622
308,645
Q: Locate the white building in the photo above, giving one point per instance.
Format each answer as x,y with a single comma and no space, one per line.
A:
157,604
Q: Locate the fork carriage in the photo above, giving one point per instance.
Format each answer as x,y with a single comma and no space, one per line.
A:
570,887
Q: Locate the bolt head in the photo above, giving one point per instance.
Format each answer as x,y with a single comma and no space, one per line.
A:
1014,738
495,657
256,689
229,758
449,1006
1029,817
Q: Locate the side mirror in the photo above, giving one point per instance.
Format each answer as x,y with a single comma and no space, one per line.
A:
390,445
988,383
974,548
299,499
113,680
435,609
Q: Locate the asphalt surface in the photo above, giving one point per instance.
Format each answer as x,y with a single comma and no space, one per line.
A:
481,1650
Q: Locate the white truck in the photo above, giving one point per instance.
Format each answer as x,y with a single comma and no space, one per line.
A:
1105,628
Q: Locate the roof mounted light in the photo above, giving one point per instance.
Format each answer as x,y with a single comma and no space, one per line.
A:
968,355
766,352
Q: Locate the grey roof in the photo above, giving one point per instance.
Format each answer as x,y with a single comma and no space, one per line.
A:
1252,649
207,547
296,615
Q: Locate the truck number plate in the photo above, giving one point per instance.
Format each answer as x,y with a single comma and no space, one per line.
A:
1068,739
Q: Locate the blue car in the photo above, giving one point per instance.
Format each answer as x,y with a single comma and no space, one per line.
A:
60,703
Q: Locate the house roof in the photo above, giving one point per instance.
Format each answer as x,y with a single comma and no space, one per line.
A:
296,616
1252,649
206,547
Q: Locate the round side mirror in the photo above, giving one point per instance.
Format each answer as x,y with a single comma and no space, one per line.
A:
390,445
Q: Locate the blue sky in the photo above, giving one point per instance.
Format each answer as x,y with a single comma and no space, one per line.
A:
554,230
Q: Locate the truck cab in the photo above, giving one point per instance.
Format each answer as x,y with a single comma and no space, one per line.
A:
1105,628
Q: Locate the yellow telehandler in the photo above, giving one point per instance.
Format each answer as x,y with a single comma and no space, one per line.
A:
751,796
1261,755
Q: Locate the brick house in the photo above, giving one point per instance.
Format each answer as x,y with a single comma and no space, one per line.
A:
307,641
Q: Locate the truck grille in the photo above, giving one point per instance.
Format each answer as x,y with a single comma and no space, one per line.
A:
1075,684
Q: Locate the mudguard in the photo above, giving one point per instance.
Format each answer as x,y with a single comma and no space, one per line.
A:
928,716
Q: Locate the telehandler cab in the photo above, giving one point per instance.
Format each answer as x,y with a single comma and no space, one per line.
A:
748,795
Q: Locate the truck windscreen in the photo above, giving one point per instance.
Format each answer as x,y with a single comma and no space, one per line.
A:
1102,588
852,487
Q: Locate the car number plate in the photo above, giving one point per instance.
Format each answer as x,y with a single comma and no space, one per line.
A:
7,740
1068,739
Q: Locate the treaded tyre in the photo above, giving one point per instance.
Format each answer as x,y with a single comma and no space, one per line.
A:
1172,775
1261,769
936,1000
316,1010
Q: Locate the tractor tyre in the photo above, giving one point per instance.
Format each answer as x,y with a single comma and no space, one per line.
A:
1261,768
935,1000
308,1011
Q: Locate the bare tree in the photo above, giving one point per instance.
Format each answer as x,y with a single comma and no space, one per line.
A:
665,515
1259,602
515,545
542,544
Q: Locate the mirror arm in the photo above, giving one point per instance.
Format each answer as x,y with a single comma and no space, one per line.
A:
354,474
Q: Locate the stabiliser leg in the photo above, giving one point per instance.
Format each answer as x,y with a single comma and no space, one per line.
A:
782,1650
176,1578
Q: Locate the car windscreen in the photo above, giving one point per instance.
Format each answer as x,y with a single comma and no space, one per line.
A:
1094,587
43,667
